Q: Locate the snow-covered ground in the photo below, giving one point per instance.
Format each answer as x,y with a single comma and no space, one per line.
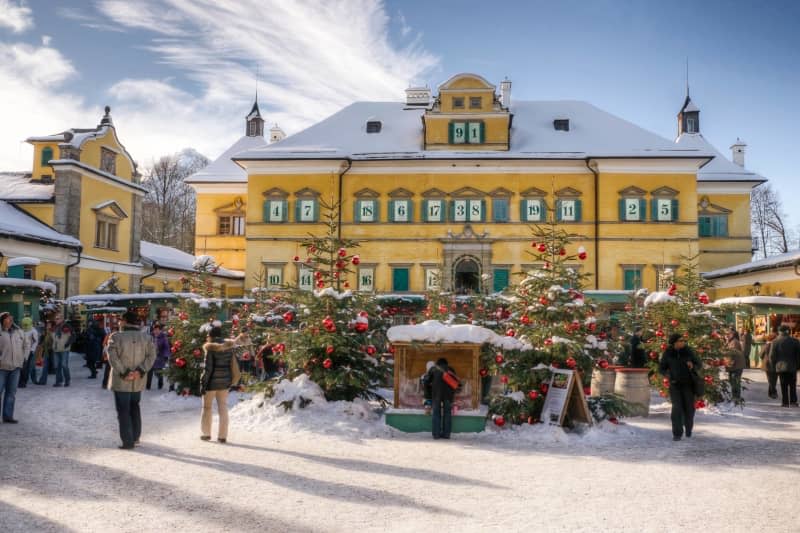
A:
338,468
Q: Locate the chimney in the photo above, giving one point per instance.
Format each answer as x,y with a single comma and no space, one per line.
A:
737,149
418,96
505,92
276,134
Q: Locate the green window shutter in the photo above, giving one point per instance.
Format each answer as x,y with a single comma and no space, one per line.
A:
424,210
265,214
450,133
642,209
400,279
452,210
499,210
704,226
316,210
377,206
483,132
622,209
47,155
285,210
500,279
297,216
631,280
558,210
357,211
391,210
410,207
483,210
654,209
578,215
523,210
721,229
674,210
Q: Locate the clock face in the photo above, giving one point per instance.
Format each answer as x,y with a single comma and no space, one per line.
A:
459,132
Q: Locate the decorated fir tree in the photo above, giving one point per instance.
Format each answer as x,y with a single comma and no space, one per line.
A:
550,315
340,337
681,306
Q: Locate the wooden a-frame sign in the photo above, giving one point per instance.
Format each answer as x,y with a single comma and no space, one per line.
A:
565,398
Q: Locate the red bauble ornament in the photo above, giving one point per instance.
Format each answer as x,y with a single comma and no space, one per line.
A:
543,300
674,322
180,362
665,382
510,333
391,349
602,363
498,358
499,421
543,388
663,346
571,362
587,391
312,249
653,356
483,372
659,333
280,347
327,363
542,247
361,327
525,319
548,342
174,349
196,352
356,260
442,309
709,380
296,258
329,349
288,316
342,252
371,350
346,284
562,252
533,394
582,256
672,290
555,364
503,379
602,335
171,332
662,393
320,284
699,404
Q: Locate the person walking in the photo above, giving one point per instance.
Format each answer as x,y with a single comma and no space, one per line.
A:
735,356
677,363
29,367
442,396
162,356
638,357
220,373
131,353
47,351
747,344
94,347
784,358
13,349
772,376
62,342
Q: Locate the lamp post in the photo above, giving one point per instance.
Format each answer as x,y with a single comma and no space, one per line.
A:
757,288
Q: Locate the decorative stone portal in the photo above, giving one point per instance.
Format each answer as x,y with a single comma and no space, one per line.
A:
466,256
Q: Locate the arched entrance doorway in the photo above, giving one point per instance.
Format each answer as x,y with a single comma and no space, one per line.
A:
467,276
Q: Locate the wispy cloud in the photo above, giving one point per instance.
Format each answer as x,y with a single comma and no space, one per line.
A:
313,57
15,15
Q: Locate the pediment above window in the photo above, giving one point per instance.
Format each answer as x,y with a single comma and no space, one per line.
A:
664,192
468,192
568,192
401,193
110,209
707,208
501,192
307,192
367,193
237,206
434,193
276,193
632,192
533,192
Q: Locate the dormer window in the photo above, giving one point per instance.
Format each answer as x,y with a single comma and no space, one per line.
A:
691,125
458,102
374,126
47,155
561,124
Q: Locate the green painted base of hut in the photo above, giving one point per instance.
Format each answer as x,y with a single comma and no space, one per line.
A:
416,421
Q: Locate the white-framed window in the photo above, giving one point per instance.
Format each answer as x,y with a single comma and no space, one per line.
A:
366,279
400,210
433,279
532,210
466,132
467,210
231,225
568,210
275,211
307,210
632,209
305,279
274,277
665,209
367,210
433,210
105,235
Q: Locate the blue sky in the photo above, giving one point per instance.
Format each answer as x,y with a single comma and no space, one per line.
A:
180,73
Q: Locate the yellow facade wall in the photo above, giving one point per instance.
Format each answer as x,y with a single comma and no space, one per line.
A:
40,170
43,212
94,192
228,250
90,279
721,252
91,149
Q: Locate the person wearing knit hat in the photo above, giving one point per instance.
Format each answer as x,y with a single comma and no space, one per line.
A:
13,349
29,367
677,364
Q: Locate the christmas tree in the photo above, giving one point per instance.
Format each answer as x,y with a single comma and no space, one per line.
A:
549,314
681,306
341,339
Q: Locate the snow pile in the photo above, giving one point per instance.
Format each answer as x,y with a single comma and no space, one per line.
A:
330,291
659,297
433,331
357,419
204,263
599,434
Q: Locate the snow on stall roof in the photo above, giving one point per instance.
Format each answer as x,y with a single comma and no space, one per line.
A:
16,186
14,222
775,261
433,331
593,133
106,299
718,169
168,257
19,282
758,300
223,168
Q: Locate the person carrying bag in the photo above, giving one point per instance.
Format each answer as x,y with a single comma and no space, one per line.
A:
220,373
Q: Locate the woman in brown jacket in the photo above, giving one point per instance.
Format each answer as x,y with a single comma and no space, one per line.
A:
736,366
220,372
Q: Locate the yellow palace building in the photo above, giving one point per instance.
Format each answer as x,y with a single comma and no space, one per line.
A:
441,191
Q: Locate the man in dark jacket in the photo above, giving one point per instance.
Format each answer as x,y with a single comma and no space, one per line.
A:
442,396
638,358
784,358
677,364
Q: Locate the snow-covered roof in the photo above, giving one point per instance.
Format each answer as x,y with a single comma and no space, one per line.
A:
19,282
95,170
105,299
17,186
593,133
72,137
720,168
433,331
17,224
223,169
24,261
168,257
772,262
758,300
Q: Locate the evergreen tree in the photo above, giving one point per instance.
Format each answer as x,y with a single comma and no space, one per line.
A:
341,338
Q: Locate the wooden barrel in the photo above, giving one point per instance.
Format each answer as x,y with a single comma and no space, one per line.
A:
632,384
603,381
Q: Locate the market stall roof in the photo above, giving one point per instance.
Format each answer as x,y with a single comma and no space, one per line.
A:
770,263
104,309
27,283
767,304
609,296
433,331
172,258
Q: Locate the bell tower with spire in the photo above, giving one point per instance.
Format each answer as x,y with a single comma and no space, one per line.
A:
689,115
255,124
